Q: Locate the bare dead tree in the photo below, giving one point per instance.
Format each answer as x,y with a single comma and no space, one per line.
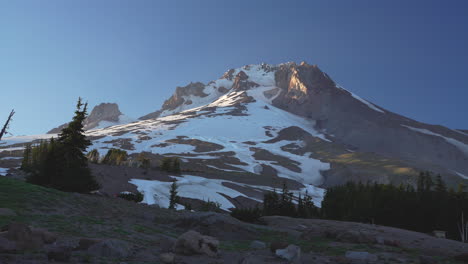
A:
463,229
7,123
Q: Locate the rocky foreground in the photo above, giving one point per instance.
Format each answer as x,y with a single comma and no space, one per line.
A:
42,225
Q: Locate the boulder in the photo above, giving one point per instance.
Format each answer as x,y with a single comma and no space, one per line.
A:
46,236
392,243
292,254
360,256
353,236
462,257
24,237
7,212
85,243
257,245
278,245
61,254
7,246
167,258
111,248
192,242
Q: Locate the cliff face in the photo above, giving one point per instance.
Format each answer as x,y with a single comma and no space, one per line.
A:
350,120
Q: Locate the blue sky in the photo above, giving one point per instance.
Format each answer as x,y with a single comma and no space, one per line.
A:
406,56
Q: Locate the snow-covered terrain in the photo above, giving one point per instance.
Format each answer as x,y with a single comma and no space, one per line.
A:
231,127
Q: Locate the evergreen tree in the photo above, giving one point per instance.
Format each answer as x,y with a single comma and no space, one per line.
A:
61,163
93,156
174,198
166,164
440,184
176,165
26,162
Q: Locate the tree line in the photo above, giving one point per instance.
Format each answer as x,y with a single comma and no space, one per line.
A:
427,207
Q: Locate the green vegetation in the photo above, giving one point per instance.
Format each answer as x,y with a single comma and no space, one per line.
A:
250,215
210,206
93,156
61,163
129,196
115,157
429,207
143,162
279,204
173,198
170,164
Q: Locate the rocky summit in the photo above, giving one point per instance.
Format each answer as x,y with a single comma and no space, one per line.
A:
258,126
102,115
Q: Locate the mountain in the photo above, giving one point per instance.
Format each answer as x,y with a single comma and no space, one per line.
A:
102,115
259,125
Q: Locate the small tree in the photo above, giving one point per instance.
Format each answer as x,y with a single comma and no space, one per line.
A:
115,157
166,164
93,156
176,165
174,198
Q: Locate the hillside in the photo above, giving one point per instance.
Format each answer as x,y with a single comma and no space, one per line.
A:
147,232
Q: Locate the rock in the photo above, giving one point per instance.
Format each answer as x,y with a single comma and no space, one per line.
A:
360,256
278,245
427,260
7,212
46,236
392,243
292,254
353,236
167,258
379,240
462,257
257,245
85,243
7,246
62,254
192,242
24,237
252,258
258,169
111,248
166,243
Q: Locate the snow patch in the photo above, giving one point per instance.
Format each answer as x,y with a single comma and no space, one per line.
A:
460,145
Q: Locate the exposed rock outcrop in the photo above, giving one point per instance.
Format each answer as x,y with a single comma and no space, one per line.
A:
311,93
102,115
178,99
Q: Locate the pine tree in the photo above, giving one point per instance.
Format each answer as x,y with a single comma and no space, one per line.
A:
176,165
93,156
26,162
72,164
174,198
440,184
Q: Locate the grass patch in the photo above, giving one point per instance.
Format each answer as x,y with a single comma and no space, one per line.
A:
235,245
20,196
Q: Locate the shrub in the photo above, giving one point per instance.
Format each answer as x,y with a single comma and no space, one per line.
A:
129,196
170,164
210,206
115,157
250,215
93,156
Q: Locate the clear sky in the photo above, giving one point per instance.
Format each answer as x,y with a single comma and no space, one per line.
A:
407,56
